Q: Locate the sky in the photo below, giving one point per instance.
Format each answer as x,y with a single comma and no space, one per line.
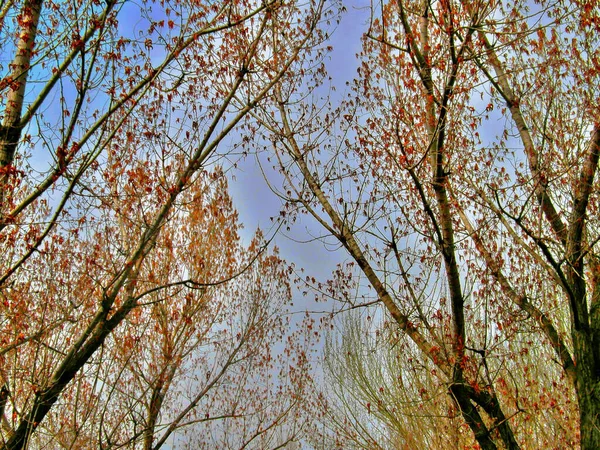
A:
251,195
253,199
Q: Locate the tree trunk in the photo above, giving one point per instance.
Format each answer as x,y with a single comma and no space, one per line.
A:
588,389
153,410
11,128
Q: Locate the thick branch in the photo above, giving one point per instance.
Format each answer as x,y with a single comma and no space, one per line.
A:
472,417
493,266
575,241
347,239
513,102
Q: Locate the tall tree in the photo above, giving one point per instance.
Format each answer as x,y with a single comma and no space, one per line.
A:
112,114
460,177
201,353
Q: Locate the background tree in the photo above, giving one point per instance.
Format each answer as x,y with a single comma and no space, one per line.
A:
383,394
460,177
112,115
196,353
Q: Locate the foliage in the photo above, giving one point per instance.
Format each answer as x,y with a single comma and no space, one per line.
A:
129,308
459,175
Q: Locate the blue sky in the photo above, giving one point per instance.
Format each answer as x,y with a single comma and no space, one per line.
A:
251,195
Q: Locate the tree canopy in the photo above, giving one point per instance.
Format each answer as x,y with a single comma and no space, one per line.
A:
131,313
457,175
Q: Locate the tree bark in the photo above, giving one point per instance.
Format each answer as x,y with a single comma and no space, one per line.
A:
11,128
588,389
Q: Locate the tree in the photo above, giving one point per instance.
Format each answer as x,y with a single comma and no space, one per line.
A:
194,353
383,394
459,175
113,113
